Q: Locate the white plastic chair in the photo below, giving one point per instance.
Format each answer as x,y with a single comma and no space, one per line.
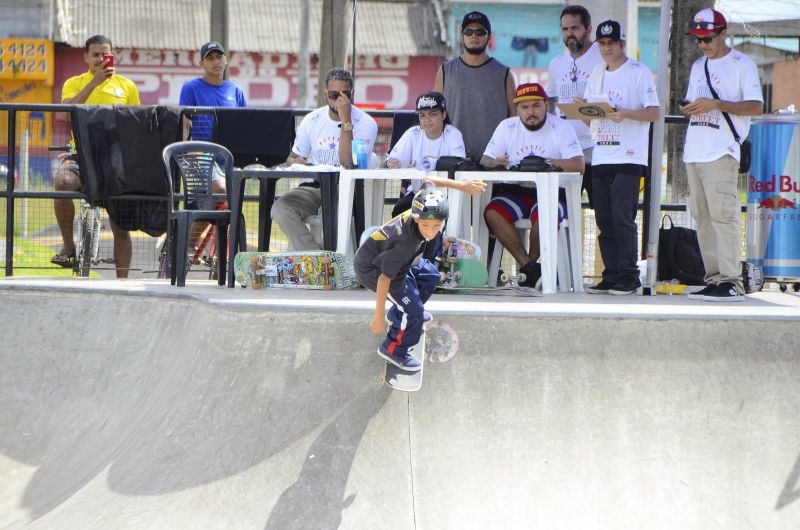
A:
564,265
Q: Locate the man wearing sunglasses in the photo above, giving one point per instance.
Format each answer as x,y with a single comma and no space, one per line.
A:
324,137
711,153
479,89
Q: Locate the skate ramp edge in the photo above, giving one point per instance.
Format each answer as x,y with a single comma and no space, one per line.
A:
129,410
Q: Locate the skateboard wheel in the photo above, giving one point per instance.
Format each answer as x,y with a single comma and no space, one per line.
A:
457,275
522,277
504,277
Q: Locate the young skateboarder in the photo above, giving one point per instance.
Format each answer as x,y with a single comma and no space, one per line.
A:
385,264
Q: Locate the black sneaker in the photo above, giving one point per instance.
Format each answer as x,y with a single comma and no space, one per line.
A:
698,295
601,288
532,271
724,292
624,287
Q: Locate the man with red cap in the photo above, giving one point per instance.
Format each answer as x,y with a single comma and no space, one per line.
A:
531,133
724,91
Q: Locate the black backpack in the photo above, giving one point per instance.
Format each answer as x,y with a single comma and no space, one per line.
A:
679,255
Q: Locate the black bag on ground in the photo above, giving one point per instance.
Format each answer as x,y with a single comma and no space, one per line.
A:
679,255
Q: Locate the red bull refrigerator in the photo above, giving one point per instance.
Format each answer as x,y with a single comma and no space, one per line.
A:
773,190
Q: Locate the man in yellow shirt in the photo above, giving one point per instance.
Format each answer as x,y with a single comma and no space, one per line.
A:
99,86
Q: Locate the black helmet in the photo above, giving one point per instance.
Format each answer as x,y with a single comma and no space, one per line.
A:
429,203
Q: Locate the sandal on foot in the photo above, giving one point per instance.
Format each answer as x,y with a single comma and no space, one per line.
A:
64,258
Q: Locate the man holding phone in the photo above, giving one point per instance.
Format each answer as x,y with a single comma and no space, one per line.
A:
324,137
101,85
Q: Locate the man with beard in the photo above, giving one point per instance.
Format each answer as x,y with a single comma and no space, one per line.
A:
532,132
478,88
569,72
620,156
324,137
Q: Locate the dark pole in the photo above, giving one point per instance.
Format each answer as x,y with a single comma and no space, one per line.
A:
219,25
355,8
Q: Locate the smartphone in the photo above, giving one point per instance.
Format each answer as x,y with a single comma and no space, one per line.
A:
108,60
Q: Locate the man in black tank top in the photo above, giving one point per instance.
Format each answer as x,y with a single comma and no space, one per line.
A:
478,88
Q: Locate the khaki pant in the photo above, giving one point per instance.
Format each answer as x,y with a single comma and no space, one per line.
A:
714,203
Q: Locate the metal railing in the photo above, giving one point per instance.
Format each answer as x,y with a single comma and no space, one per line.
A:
10,194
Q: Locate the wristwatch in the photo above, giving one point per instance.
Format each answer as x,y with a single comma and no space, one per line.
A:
347,127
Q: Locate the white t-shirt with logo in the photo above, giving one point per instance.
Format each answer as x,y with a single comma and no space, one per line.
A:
568,78
735,78
556,139
317,137
630,87
414,147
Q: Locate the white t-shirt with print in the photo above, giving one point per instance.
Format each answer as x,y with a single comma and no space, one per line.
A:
735,78
556,139
415,148
317,137
630,87
568,78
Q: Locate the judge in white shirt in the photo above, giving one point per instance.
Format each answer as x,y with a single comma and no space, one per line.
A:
569,73
324,137
619,157
421,146
532,132
712,151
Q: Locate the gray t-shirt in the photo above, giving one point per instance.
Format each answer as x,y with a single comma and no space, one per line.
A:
476,100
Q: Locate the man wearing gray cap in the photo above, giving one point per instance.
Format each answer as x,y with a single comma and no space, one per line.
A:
478,88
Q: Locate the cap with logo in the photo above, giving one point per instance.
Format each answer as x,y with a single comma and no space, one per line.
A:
431,100
706,22
610,29
476,17
210,47
529,91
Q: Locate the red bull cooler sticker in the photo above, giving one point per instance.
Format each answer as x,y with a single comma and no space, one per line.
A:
773,191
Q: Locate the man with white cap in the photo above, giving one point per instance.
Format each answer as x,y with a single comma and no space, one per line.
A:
724,91
620,156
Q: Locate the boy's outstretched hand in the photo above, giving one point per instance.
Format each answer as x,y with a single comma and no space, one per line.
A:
377,324
472,186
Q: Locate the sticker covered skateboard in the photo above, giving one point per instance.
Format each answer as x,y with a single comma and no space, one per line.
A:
300,270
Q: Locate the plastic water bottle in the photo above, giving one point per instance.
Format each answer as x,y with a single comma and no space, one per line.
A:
362,155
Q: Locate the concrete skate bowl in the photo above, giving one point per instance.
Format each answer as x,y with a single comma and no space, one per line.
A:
139,411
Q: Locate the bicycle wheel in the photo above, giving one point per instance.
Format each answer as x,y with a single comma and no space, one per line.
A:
86,243
163,259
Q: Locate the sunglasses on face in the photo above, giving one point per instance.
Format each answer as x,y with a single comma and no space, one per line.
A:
702,25
708,39
332,94
469,32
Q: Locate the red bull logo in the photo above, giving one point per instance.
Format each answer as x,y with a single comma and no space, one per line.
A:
781,184
776,202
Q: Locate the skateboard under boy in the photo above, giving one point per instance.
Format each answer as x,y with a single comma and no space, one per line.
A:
300,270
404,380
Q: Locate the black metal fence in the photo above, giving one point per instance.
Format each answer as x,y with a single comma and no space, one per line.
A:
32,138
